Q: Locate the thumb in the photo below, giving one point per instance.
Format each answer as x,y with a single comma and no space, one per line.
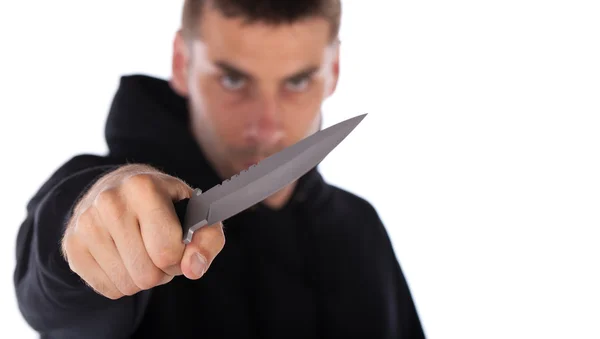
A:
206,244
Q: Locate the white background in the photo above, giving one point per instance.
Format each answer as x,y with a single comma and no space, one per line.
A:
480,151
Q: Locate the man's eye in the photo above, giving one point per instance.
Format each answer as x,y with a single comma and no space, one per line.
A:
232,82
298,85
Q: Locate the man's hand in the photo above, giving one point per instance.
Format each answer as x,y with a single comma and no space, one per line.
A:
125,236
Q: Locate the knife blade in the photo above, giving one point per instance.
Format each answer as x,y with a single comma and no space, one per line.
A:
261,180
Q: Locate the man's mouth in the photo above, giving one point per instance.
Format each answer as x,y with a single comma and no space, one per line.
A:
250,163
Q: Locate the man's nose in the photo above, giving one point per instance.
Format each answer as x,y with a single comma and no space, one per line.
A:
266,125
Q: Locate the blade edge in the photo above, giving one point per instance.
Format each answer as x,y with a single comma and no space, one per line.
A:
313,154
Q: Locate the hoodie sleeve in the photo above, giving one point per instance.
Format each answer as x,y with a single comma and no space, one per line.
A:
52,299
363,291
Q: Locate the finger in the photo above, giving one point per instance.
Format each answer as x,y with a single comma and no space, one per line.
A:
159,225
102,247
176,188
82,263
206,244
133,253
118,233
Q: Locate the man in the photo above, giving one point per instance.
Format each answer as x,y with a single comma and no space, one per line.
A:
100,254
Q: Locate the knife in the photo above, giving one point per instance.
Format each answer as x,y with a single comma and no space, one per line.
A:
259,181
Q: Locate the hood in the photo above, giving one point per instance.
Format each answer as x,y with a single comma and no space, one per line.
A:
149,122
146,112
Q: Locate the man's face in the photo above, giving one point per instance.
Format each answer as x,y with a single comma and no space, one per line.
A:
254,89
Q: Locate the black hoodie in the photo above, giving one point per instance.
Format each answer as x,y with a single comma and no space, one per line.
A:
321,267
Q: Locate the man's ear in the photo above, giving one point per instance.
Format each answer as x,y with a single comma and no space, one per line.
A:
180,66
335,69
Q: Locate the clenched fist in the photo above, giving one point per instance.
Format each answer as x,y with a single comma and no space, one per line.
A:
125,236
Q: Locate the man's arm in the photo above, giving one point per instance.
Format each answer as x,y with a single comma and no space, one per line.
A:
363,290
52,299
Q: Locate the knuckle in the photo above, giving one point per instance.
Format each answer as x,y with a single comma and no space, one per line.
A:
103,288
127,287
166,279
85,220
110,204
87,225
113,294
140,183
149,278
166,258
121,279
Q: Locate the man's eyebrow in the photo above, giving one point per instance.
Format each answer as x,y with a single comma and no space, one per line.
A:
229,68
307,72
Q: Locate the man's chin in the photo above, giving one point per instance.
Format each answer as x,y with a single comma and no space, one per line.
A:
246,163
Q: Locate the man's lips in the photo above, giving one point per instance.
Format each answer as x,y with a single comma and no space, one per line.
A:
251,163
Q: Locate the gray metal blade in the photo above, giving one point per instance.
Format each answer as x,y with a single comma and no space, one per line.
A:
260,181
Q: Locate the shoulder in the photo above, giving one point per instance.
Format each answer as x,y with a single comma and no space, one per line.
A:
348,228
351,205
347,213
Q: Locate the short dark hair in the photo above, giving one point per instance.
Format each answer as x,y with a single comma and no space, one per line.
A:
267,11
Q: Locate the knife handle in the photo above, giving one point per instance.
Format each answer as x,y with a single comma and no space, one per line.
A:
198,215
180,209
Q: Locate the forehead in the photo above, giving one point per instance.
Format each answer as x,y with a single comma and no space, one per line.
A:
263,48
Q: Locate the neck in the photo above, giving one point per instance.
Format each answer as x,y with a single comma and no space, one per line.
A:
279,199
